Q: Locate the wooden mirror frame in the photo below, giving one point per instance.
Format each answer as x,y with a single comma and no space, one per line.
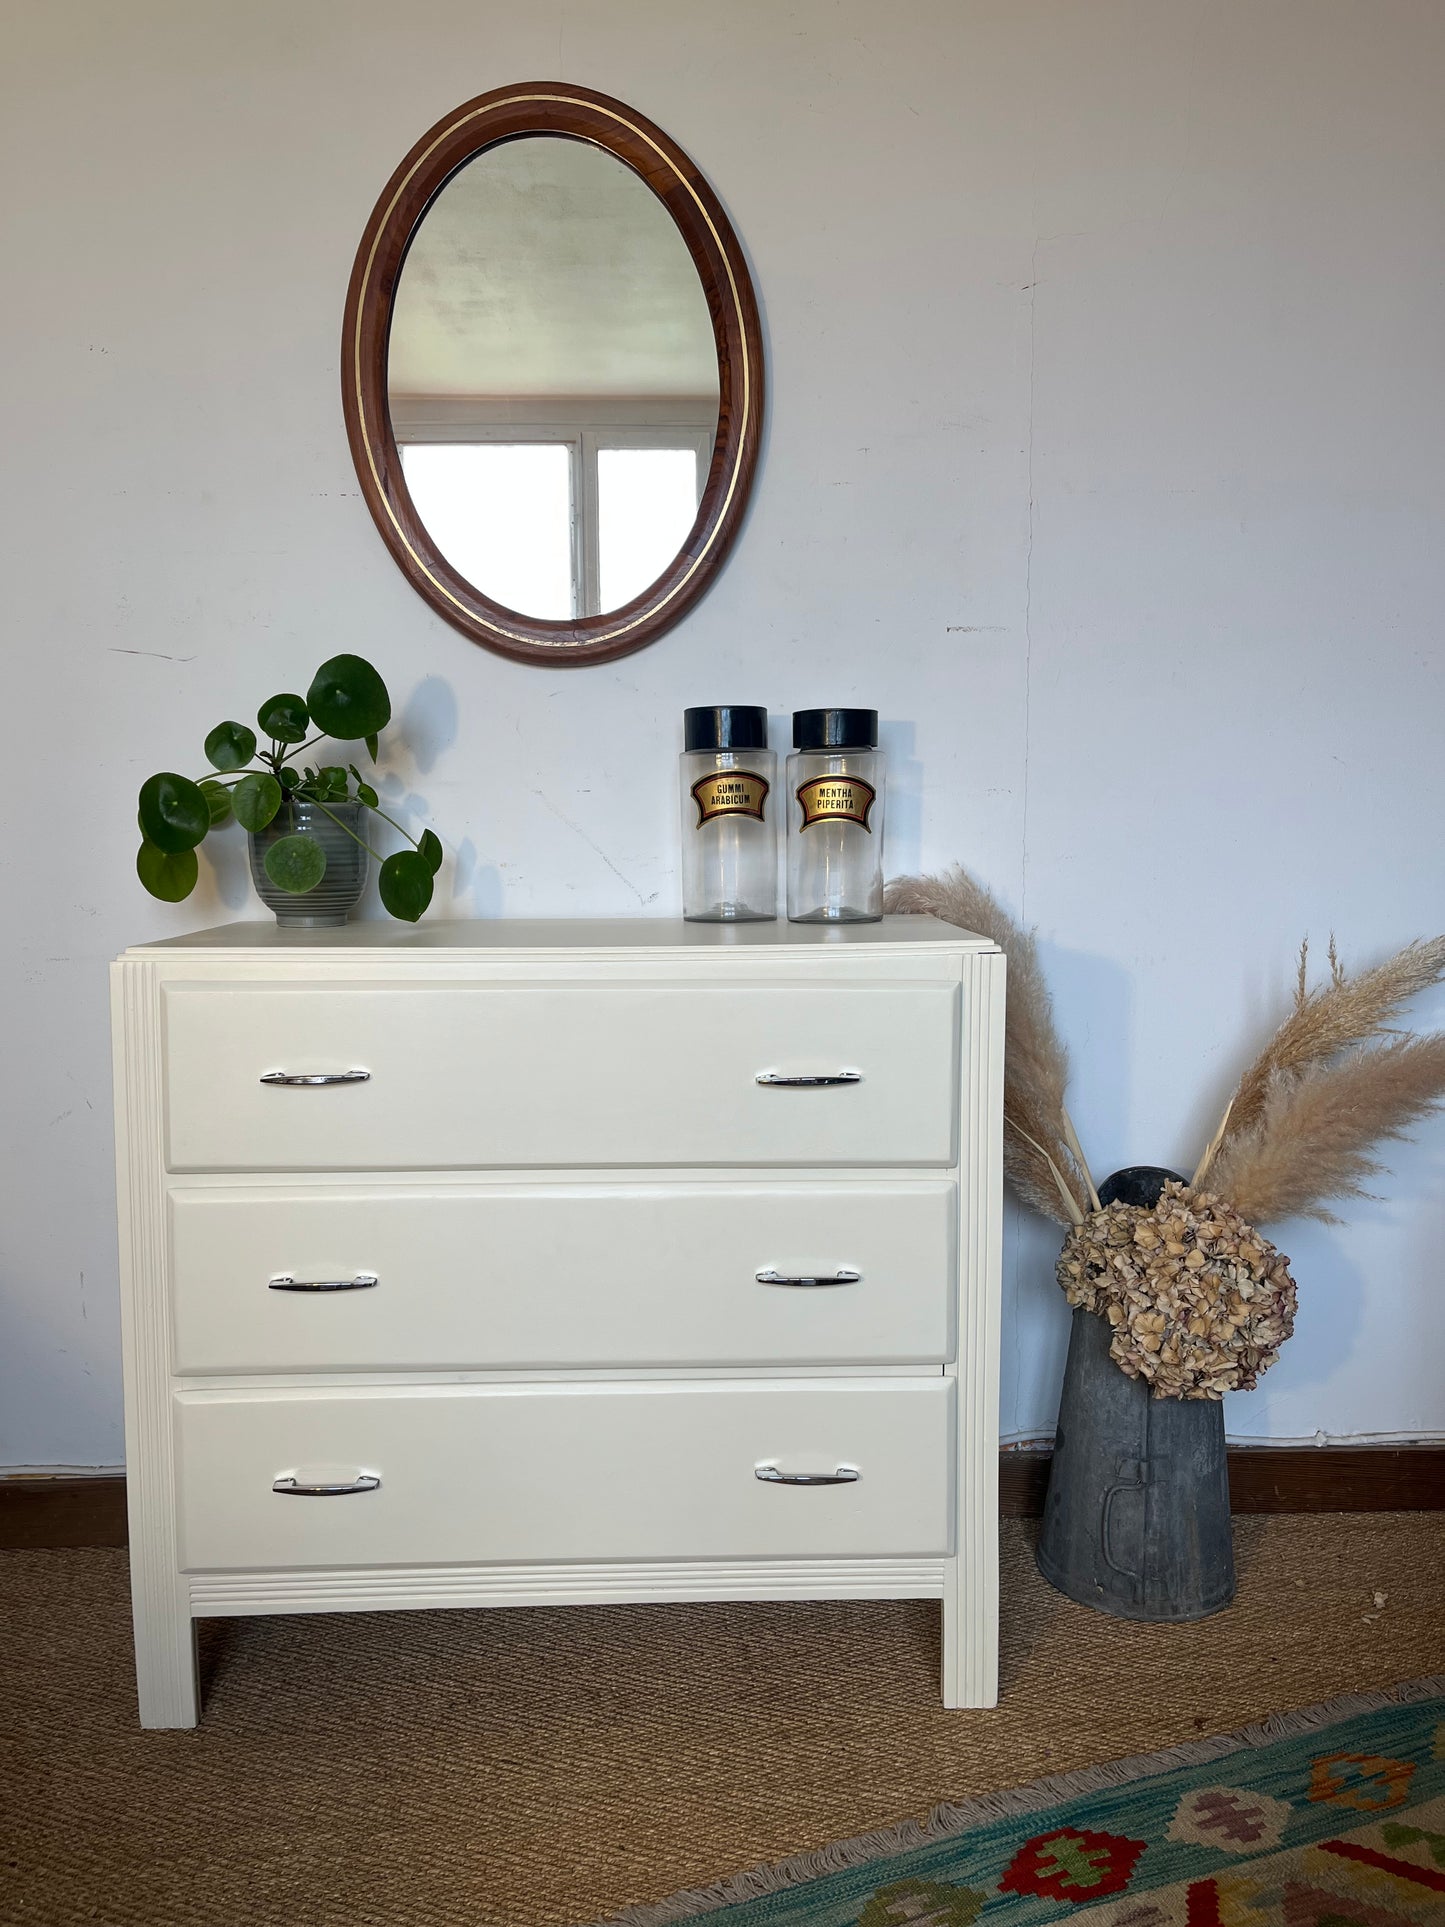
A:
512,113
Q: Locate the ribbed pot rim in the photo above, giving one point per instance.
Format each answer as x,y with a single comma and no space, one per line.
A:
350,808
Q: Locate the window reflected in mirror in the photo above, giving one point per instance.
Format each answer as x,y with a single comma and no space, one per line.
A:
647,497
501,513
552,378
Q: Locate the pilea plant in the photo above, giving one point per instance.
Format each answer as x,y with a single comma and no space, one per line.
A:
347,702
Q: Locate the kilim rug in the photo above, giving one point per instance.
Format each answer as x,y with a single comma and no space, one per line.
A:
1334,1817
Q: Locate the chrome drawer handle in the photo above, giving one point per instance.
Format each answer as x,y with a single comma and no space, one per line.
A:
292,1488
315,1077
841,1277
773,1475
363,1281
810,1083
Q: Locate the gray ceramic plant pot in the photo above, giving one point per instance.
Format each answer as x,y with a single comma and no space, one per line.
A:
337,894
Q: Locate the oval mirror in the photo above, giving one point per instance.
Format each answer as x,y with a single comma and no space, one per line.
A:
552,374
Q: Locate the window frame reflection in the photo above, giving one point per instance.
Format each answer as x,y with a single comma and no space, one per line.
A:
471,420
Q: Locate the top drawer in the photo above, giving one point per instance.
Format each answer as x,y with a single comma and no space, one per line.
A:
482,1074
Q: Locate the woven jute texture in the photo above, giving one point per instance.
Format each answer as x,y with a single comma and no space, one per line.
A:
547,1768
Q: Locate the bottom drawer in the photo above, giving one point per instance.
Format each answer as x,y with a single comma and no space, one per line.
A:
525,1473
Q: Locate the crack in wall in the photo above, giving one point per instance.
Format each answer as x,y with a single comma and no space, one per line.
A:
596,848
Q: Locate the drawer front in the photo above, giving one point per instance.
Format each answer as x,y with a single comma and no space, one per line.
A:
516,1474
480,1074
545,1276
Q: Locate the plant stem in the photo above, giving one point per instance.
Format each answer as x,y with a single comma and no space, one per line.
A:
297,748
415,841
340,825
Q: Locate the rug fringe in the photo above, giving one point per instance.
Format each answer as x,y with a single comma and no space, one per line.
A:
945,1822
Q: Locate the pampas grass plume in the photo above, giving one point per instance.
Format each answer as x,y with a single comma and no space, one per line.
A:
1041,1156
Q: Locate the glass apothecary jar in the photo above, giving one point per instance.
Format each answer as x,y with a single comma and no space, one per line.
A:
835,822
729,818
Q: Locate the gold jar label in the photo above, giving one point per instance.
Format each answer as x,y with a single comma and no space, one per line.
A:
732,792
837,799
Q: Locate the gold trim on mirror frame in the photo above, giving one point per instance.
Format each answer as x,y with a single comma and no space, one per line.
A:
739,334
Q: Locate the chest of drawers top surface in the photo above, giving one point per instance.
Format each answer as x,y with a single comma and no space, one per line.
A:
516,936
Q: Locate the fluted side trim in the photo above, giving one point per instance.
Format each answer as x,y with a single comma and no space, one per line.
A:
164,1634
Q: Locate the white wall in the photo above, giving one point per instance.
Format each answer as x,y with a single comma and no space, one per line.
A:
1106,457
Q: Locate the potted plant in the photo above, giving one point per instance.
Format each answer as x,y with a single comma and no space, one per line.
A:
307,847
1178,1298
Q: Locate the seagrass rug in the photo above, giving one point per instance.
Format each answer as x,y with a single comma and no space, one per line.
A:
1331,1817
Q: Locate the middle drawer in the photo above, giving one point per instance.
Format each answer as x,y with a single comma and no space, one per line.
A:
581,1276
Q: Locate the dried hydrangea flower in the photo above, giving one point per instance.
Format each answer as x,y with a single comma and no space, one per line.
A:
1198,1301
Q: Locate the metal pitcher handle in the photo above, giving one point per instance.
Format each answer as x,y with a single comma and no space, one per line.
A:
1138,1470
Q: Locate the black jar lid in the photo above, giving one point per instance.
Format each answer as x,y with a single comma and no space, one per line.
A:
726,727
835,729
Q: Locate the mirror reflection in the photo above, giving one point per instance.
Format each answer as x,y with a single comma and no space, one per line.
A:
552,378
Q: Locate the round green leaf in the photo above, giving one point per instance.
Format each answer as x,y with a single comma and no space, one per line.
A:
430,850
368,795
405,884
296,863
167,874
256,800
173,813
284,719
218,800
287,778
230,746
348,699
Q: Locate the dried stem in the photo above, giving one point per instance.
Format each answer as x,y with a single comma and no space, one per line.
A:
1070,1202
1211,1150
1041,1161
1078,1150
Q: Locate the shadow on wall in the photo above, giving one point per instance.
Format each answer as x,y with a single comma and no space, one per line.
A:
428,724
1094,1009
1329,1321
1035,1335
476,887
426,729
1093,1005
903,824
1334,1292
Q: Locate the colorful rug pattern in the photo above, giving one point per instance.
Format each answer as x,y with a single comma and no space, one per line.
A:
1330,1818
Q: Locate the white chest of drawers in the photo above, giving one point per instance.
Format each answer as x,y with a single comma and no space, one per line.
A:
558,1263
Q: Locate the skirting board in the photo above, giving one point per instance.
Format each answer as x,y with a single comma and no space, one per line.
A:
57,1512
1281,1478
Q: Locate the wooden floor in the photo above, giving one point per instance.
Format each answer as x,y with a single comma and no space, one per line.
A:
545,1768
